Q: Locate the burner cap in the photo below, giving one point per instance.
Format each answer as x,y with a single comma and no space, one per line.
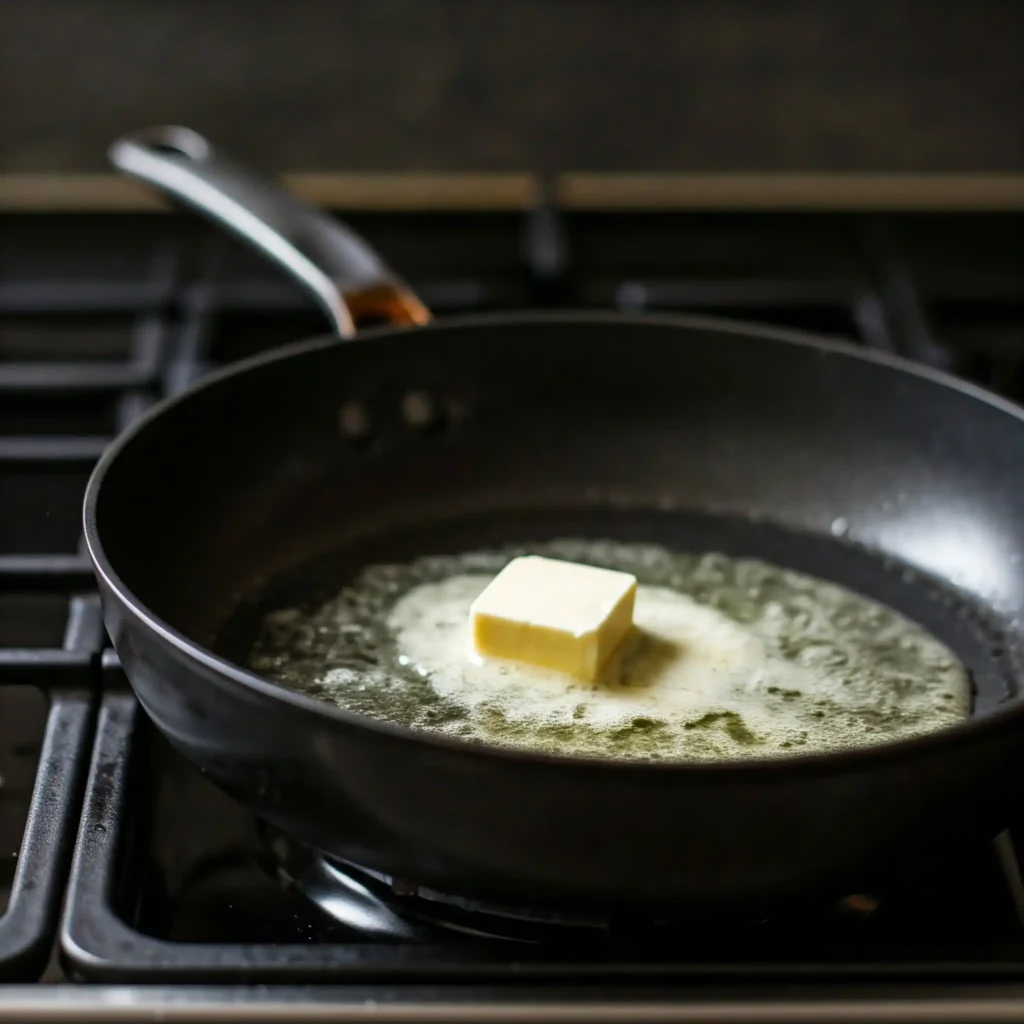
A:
382,907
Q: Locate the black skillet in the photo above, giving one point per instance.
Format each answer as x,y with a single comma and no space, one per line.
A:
331,453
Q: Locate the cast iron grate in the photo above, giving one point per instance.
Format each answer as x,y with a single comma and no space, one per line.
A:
154,899
102,315
50,635
78,342
46,711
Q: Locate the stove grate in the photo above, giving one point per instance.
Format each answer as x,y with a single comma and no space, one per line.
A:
101,315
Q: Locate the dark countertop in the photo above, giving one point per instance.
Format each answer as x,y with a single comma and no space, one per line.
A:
539,85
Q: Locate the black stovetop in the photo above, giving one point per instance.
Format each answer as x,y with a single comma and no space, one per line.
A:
168,881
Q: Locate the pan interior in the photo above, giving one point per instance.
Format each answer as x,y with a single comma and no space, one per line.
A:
251,492
963,625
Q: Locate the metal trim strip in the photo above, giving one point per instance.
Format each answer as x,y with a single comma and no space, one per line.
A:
581,190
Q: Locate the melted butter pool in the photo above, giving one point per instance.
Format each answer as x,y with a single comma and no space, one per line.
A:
732,658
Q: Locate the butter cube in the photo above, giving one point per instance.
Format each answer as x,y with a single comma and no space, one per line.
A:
553,614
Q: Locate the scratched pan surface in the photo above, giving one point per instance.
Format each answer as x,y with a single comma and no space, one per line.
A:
279,479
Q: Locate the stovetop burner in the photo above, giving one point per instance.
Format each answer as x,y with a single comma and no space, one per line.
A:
171,883
385,908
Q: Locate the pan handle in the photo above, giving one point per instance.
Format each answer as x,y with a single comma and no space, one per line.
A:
347,278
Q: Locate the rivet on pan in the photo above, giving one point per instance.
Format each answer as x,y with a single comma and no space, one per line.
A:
353,421
418,409
840,527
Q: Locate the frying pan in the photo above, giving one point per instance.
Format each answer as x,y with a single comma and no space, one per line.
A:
284,474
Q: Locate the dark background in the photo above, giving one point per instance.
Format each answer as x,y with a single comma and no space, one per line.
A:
540,85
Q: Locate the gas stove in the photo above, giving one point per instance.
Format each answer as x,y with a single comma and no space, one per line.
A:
130,887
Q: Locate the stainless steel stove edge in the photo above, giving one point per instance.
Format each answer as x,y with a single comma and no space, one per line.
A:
115,1004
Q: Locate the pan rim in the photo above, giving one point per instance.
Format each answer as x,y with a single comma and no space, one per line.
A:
854,758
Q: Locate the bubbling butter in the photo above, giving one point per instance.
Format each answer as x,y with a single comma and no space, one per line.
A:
730,659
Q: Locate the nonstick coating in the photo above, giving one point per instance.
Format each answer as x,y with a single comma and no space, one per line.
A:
685,432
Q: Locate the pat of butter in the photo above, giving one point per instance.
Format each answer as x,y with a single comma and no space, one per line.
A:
557,615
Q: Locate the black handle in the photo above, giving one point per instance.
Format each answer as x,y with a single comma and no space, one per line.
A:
342,272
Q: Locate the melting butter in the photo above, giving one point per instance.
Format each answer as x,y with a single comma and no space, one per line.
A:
731,658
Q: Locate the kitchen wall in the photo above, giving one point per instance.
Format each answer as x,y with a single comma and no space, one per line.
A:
871,85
